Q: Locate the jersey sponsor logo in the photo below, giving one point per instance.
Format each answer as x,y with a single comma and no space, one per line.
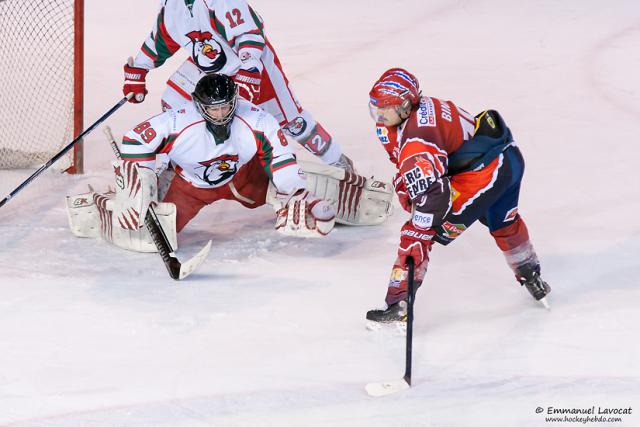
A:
297,126
422,220
446,111
383,134
419,178
219,170
511,215
453,230
426,114
207,53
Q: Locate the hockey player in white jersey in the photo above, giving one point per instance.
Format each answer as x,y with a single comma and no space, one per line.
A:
230,149
227,37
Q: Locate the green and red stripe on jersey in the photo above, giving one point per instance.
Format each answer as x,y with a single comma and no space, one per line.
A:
164,45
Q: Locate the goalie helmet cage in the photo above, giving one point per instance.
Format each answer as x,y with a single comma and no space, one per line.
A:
41,82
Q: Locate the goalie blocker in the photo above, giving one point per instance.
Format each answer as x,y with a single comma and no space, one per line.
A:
356,200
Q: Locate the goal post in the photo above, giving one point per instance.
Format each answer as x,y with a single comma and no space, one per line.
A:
41,82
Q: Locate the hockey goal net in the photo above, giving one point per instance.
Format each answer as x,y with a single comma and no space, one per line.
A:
41,82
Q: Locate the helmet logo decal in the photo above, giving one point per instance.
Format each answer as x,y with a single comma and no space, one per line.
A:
220,169
207,53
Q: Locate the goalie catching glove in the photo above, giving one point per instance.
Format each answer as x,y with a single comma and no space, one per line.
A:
305,215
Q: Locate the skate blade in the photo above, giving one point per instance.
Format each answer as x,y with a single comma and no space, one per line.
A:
543,302
399,328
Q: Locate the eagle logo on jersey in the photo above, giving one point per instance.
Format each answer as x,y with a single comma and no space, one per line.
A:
220,169
207,53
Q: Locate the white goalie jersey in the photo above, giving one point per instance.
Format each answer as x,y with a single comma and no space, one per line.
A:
205,162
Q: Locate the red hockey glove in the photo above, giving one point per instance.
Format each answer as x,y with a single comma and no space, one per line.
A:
248,82
415,243
134,81
401,190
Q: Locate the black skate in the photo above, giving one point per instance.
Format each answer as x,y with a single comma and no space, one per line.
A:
537,287
394,313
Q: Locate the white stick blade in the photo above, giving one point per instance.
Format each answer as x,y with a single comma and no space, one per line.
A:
189,267
386,388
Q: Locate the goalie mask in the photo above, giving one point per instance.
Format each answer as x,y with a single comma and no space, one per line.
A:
393,96
215,98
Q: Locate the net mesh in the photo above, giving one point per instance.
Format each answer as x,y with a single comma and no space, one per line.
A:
36,81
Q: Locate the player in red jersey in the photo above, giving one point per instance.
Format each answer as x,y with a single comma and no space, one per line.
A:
453,169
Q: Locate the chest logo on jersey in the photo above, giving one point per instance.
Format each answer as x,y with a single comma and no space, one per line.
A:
220,169
419,178
426,114
206,52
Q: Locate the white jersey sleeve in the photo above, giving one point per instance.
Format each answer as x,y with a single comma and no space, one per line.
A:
273,149
159,45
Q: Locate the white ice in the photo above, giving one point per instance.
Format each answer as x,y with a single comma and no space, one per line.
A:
270,331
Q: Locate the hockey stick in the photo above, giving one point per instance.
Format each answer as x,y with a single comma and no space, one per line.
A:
394,386
65,149
177,270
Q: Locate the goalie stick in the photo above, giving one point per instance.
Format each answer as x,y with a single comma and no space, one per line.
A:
177,270
65,149
393,386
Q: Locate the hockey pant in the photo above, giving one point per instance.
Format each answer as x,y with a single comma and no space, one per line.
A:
248,187
276,98
489,195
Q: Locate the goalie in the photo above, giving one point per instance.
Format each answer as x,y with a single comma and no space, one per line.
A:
224,148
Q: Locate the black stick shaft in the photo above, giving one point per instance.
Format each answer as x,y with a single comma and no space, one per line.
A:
410,300
64,151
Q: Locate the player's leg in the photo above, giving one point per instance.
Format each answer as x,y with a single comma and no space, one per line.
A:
510,231
189,199
277,98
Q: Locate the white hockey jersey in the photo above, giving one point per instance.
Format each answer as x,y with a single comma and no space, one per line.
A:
221,36
205,162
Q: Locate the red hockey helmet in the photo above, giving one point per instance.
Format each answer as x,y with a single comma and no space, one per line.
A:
396,88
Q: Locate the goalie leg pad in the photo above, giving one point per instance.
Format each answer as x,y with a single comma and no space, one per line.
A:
83,215
356,199
91,215
136,189
138,240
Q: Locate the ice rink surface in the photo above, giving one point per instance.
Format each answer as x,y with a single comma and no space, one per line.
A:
270,331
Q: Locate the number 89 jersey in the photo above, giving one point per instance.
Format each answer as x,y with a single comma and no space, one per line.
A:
206,162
